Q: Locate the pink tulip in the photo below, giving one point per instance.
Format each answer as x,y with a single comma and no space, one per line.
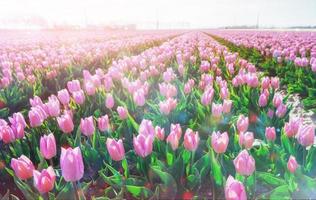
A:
44,181
143,145
281,110
219,141
277,100
167,106
246,139
234,190
90,88
191,140
292,164
207,97
17,118
146,128
275,82
48,146
104,123
306,135
109,102
270,133
71,164
115,149
263,100
177,129
270,113
87,126
217,110
122,112
65,123
63,97
53,106
244,163
173,140
265,83
36,116
7,134
23,167
139,97
227,106
78,97
242,123
73,86
159,133
291,127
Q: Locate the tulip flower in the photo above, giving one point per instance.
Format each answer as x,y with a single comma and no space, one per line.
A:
73,86
291,127
146,128
263,100
159,133
265,83
23,167
71,164
63,97
177,129
242,123
275,82
167,106
87,126
219,141
207,97
227,106
234,189
277,100
53,106
244,163
217,110
270,133
191,140
48,146
122,112
115,149
281,110
90,88
306,135
7,134
292,164
44,181
65,123
143,145
109,102
246,139
104,123
36,116
78,97
139,97
173,140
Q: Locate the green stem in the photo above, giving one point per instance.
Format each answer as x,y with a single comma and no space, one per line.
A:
74,184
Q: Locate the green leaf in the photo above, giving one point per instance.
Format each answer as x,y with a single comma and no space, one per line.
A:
168,189
216,169
139,191
281,192
270,179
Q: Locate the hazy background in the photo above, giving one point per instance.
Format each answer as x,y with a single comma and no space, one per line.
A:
149,14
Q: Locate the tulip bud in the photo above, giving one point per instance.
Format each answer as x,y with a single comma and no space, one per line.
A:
263,100
234,189
146,128
244,163
242,123
217,110
48,146
53,106
173,140
122,112
109,102
44,181
292,164
71,164
65,123
246,139
73,86
143,145
191,140
87,126
306,135
219,142
139,97
63,96
115,149
78,97
23,167
104,123
270,133
227,105
160,133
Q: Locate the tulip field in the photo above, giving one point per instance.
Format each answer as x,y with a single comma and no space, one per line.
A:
157,115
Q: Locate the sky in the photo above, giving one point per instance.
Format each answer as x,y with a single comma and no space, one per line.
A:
149,13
